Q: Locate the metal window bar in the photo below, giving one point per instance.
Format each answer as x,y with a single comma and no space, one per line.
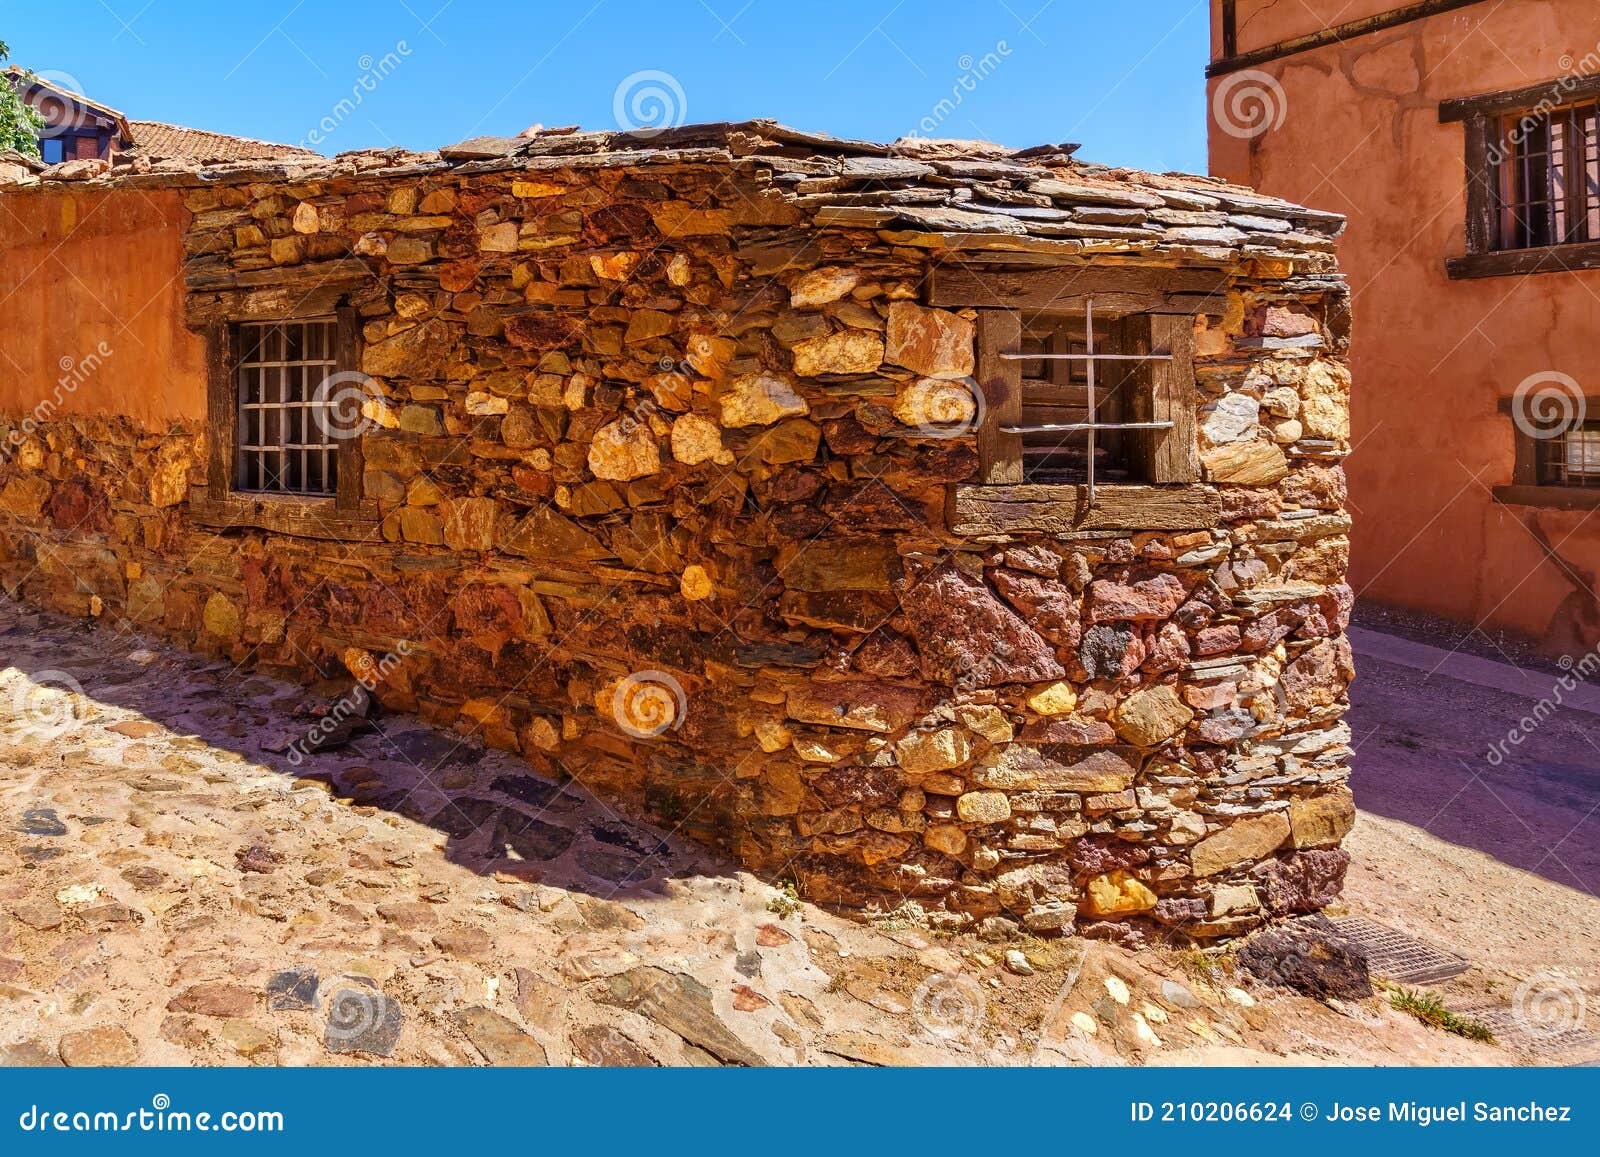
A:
1547,189
1572,459
1093,426
285,445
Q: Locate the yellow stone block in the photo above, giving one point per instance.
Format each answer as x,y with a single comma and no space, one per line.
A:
1116,893
1056,698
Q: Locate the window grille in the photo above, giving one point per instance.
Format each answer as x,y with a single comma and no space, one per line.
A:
1073,419
285,442
1573,459
1546,183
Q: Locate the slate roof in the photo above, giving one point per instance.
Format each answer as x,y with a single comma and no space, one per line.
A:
1042,198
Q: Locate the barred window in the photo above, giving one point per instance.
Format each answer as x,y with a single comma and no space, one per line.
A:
285,441
1060,433
1545,177
1573,459
1533,179
1088,397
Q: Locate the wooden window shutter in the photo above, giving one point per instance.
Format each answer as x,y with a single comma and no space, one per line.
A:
1163,391
221,413
1483,226
1000,379
347,354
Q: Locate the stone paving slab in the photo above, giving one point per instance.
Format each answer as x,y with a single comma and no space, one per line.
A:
173,890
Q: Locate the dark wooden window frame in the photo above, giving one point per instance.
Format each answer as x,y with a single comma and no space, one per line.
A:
344,515
1526,489
1481,118
1156,310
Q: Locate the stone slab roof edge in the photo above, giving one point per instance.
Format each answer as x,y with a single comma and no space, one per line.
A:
1043,191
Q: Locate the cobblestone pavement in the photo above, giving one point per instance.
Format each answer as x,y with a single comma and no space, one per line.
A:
174,890
1502,772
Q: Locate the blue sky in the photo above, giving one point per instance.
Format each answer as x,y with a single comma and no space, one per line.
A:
1124,79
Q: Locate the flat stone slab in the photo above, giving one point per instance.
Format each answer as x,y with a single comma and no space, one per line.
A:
361,1019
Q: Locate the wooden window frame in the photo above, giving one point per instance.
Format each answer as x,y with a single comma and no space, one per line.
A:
345,514
1481,118
1157,391
1170,495
1525,488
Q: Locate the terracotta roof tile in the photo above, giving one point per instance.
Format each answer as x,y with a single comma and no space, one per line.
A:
157,140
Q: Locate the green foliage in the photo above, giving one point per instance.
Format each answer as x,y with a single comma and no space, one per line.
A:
19,124
786,902
1429,1009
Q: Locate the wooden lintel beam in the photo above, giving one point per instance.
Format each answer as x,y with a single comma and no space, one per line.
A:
1349,30
1551,94
1115,289
1065,509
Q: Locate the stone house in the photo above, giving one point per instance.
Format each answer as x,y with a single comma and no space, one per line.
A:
936,523
1460,137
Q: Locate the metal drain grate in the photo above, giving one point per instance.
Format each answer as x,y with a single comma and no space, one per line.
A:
1511,1029
1396,956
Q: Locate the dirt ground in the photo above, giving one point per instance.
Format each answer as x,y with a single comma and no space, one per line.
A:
174,891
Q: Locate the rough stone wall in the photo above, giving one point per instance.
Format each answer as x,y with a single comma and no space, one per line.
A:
637,430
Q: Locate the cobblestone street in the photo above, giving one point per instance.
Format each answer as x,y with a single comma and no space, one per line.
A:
176,893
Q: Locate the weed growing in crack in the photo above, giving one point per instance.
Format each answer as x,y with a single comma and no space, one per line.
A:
1430,1010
